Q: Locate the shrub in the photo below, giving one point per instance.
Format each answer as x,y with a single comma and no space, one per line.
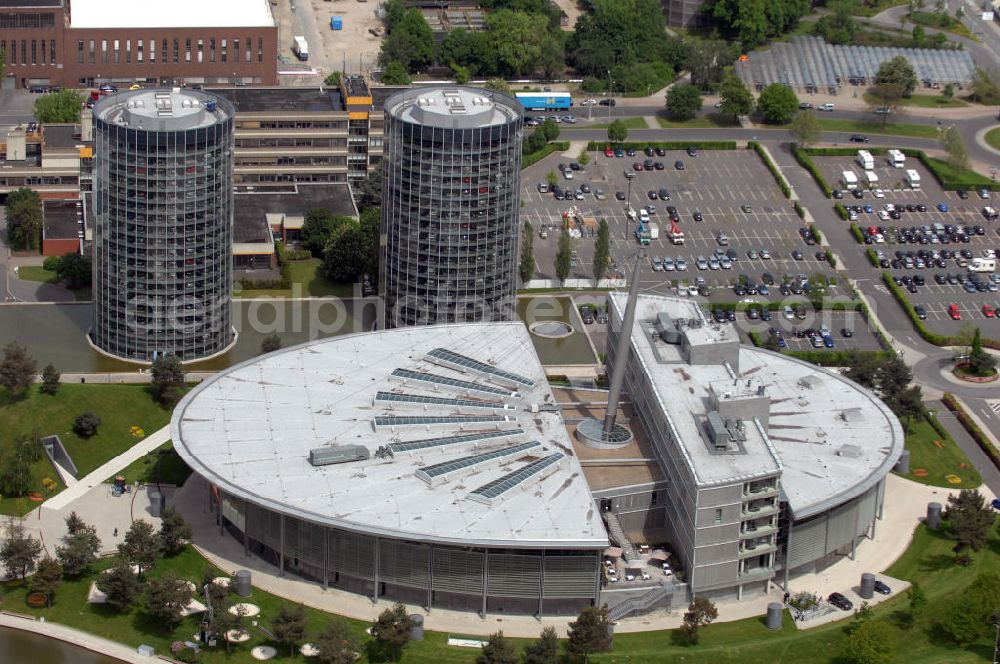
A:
538,155
948,177
872,257
842,212
799,210
969,424
50,263
778,177
668,145
804,160
86,423
859,236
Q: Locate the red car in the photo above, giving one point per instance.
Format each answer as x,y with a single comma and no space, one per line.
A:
989,311
608,152
954,312
636,166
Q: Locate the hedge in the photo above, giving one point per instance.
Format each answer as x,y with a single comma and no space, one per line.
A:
967,422
925,334
872,257
857,233
666,145
836,358
538,155
817,305
804,160
816,234
831,259
946,176
843,152
799,210
842,211
771,166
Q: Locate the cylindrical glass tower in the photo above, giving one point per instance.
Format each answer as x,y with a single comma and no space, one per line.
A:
450,211
163,210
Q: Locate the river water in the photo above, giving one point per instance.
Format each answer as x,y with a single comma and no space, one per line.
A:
17,647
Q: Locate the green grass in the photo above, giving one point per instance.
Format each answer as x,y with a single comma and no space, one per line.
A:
162,465
993,138
938,460
944,23
924,101
891,128
119,407
966,177
38,273
311,283
711,121
630,123
927,560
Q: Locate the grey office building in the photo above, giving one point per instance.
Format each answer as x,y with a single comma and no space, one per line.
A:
163,204
450,206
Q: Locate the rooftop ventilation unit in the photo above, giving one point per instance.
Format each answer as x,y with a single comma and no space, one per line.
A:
853,415
724,434
849,451
809,381
326,456
668,328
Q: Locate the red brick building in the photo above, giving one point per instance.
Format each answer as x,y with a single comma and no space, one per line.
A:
79,43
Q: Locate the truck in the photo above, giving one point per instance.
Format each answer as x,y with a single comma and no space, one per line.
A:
300,47
545,101
642,233
983,265
654,230
849,179
912,178
895,158
676,234
866,160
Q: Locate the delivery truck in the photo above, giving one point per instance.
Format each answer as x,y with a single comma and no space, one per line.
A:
300,47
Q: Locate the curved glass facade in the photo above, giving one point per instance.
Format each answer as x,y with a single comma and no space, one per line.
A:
163,201
450,211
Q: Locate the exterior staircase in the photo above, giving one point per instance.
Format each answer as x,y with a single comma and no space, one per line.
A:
618,536
643,603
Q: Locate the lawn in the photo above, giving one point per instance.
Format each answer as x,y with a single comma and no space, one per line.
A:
928,560
310,282
711,121
630,123
933,458
924,101
38,273
162,465
891,128
119,406
993,138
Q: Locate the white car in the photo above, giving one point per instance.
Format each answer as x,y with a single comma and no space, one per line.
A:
765,254
666,570
589,102
681,264
669,265
726,263
645,575
570,119
883,215
701,263
989,253
889,207
826,107
878,193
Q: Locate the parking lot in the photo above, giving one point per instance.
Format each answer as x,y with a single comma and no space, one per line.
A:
714,184
928,242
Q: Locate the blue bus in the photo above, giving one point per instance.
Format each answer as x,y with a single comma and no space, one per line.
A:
545,101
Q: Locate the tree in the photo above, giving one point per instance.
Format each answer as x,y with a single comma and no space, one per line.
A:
590,633
552,56
270,343
317,227
563,256
46,578
981,363
15,475
343,256
969,520
391,631
805,128
602,249
954,147
332,79
167,378
985,87
74,270
701,611
907,404
369,225
140,546
948,91
918,601
460,73
59,107
394,73
970,615
81,547
872,642
617,131
543,651
20,551
884,100
550,129
85,425
223,620
368,192
777,103
706,60
736,99
498,85
410,43
289,626
336,644
17,370
174,531
24,218
50,380
683,101
167,597
897,71
526,268
839,26
497,650
120,584
552,178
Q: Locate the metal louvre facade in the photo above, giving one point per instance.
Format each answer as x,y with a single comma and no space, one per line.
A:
817,541
450,207
524,581
163,205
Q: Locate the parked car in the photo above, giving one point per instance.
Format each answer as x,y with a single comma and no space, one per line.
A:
840,602
882,588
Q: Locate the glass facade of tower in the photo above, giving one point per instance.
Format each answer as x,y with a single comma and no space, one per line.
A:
450,211
163,201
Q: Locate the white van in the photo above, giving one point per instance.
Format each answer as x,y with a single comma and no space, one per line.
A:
866,160
895,158
983,265
912,178
849,179
872,178
826,107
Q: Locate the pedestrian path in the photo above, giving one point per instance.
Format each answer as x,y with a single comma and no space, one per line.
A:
84,484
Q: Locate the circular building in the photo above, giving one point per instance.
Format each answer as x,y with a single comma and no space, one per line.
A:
426,464
450,206
163,202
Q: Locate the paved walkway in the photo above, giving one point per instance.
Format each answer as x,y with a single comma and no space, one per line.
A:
84,484
906,504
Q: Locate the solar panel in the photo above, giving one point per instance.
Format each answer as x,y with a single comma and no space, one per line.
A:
462,363
465,385
382,421
438,471
495,489
444,441
422,400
